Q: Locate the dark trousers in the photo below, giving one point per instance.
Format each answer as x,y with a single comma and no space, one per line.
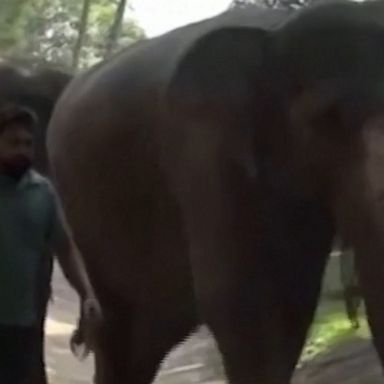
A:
38,372
16,347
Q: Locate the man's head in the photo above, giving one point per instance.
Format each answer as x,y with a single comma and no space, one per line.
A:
16,140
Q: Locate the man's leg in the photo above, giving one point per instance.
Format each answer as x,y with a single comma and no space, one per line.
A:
350,285
38,371
15,354
352,303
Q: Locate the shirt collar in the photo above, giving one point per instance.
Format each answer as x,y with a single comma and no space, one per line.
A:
30,178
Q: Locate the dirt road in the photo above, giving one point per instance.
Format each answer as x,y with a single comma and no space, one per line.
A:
197,360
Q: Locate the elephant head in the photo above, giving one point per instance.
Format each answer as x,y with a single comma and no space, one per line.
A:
306,100
37,88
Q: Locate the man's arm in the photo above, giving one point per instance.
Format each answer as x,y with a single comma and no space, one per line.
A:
71,262
70,259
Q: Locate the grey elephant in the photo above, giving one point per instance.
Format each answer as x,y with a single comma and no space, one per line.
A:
38,88
205,173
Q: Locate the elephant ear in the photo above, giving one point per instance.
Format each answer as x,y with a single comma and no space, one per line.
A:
222,69
45,87
42,88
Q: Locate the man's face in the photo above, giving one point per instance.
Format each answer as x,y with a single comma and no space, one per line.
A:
16,150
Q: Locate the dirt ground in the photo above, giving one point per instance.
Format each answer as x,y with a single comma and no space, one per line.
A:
197,360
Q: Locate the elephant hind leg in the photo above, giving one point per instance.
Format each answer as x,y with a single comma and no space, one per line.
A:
258,279
299,299
264,334
132,351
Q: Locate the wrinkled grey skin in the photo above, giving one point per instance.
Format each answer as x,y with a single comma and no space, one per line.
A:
209,171
37,88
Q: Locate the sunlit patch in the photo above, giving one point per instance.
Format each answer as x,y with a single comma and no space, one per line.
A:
54,328
330,331
160,16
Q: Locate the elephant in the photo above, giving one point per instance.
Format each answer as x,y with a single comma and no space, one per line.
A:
36,87
206,172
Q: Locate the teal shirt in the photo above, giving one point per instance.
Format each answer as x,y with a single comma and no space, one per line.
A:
29,226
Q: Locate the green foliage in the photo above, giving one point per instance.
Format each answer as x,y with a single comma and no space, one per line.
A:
11,12
330,330
331,325
47,30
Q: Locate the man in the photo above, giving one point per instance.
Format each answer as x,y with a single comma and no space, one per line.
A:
350,283
32,228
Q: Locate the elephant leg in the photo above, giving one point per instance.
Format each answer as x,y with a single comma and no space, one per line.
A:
305,236
249,253
299,297
111,349
131,350
262,329
256,282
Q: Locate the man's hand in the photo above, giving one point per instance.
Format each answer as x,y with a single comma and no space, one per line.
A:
84,338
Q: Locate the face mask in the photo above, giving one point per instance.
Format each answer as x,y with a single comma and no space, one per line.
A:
16,167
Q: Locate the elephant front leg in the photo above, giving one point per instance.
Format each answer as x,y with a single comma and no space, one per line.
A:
257,299
260,309
236,300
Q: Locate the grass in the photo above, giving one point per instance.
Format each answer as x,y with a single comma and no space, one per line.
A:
331,324
330,328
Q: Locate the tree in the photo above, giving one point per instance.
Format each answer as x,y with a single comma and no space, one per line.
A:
82,33
69,33
116,28
11,22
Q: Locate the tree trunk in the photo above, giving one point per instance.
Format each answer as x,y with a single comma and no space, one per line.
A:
81,34
115,30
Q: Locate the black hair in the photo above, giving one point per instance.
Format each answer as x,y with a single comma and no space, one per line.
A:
12,113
